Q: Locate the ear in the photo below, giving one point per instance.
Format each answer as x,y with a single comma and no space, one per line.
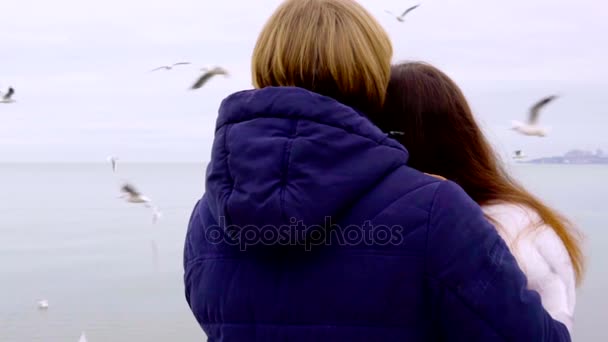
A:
436,176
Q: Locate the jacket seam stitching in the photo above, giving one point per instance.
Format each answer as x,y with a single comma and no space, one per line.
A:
287,162
400,197
428,224
227,215
299,118
447,286
210,257
466,304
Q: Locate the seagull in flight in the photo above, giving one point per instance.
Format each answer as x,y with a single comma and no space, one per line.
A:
131,195
8,97
209,73
169,67
401,18
43,304
531,127
113,160
518,155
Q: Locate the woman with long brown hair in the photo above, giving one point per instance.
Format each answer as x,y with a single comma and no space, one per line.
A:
431,118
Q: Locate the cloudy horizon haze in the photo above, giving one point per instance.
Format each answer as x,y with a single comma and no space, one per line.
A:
84,90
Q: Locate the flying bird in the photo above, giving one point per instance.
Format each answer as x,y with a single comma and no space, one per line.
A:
131,195
113,160
518,154
531,127
43,304
205,77
401,18
169,67
8,97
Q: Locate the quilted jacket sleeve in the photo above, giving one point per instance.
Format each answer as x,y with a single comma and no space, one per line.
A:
477,290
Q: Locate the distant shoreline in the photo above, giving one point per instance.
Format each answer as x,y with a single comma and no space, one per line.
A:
573,157
568,161
552,161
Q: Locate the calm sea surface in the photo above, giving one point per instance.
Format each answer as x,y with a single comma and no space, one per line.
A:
108,271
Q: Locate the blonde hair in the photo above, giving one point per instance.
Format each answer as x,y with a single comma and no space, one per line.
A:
331,47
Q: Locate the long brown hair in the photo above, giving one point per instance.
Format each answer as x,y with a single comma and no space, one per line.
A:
437,127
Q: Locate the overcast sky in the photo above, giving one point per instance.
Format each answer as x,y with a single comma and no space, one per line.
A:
80,70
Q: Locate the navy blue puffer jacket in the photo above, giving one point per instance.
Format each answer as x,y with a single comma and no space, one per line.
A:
313,228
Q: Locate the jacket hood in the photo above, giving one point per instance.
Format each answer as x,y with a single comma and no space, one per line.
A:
285,156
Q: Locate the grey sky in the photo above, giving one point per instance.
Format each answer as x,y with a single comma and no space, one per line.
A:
80,70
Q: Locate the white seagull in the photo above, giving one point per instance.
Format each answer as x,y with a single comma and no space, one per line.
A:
401,18
209,73
169,67
531,127
83,337
519,155
8,97
133,196
113,160
43,304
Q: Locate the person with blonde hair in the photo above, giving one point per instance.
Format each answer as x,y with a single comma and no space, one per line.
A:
313,228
